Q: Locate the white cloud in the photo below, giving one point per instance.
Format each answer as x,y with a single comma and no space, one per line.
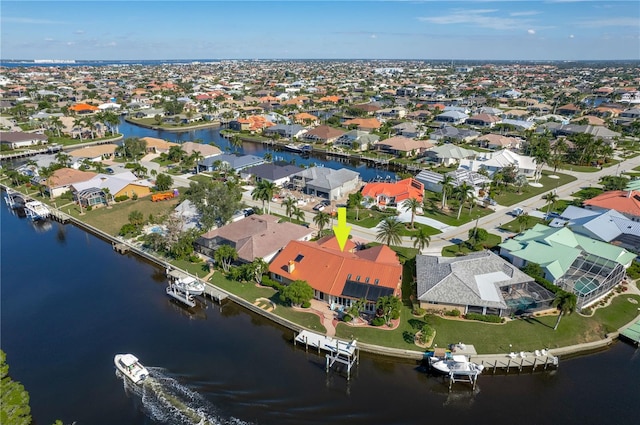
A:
525,13
610,22
531,31
478,17
571,36
48,39
373,36
27,21
78,32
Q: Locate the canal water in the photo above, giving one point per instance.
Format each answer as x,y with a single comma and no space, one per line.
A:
212,135
70,303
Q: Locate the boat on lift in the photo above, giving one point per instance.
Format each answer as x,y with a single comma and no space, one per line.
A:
36,210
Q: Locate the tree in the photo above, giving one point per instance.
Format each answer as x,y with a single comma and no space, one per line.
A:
196,157
447,188
411,204
216,201
614,182
357,307
322,219
477,235
289,204
462,194
388,307
264,192
163,181
551,199
268,157
14,399
258,268
56,123
389,231
566,303
297,293
523,220
176,153
63,159
224,256
421,238
235,142
136,218
298,213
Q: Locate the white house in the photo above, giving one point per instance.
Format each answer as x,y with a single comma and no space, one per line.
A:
496,161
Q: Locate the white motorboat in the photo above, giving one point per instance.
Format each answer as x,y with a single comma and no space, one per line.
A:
455,365
190,285
130,367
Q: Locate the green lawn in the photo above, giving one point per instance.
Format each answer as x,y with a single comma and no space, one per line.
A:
514,227
512,197
456,250
450,216
407,231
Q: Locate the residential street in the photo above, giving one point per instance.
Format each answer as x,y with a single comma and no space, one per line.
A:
491,222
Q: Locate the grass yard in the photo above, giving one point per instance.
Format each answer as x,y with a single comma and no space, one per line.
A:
462,249
110,220
407,231
511,197
514,227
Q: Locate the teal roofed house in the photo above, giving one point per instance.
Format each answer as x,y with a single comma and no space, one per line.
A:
587,267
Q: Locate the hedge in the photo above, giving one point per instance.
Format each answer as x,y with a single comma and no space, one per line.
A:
484,318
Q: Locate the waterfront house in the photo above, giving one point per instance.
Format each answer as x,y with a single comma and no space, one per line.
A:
483,120
274,173
403,146
454,134
325,182
62,179
289,131
481,283
451,117
256,236
363,124
585,266
229,162
19,139
95,153
83,108
410,130
385,194
322,133
597,131
92,192
356,140
155,145
498,141
340,277
449,154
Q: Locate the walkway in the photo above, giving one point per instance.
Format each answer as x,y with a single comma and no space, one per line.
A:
328,318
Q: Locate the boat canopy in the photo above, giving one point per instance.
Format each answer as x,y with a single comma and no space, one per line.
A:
128,359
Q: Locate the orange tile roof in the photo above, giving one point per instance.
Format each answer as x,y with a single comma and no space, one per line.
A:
364,122
69,176
83,107
333,99
623,201
404,189
323,266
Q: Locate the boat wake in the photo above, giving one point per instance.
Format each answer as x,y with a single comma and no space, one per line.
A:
166,400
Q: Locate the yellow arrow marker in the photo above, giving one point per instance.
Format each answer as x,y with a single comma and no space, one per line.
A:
342,230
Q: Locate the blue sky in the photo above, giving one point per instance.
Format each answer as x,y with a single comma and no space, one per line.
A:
509,30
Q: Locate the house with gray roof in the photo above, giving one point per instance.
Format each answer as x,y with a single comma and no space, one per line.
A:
231,162
432,180
20,139
587,267
454,134
451,117
408,129
356,139
274,173
480,283
449,154
290,131
325,182
607,226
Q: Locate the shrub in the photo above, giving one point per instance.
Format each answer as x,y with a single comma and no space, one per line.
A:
134,196
419,311
395,315
452,313
306,304
484,318
121,198
347,318
377,321
267,281
426,333
89,207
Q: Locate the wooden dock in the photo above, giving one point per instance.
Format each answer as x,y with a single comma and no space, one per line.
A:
632,332
120,248
517,361
338,351
214,293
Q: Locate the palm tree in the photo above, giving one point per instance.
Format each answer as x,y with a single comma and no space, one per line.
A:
196,157
264,192
462,193
298,213
268,157
235,142
56,123
79,123
447,188
107,194
389,231
551,199
421,239
411,204
322,219
289,203
63,159
523,220
566,303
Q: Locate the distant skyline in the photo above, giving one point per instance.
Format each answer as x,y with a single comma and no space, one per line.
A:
451,30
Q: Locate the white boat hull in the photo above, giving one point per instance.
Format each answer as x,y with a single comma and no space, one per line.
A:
131,368
458,365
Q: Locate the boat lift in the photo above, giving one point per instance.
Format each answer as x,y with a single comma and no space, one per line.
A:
183,297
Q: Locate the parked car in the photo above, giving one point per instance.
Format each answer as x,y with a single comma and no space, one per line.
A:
319,207
517,212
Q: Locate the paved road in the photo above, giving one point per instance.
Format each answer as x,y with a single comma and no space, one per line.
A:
491,222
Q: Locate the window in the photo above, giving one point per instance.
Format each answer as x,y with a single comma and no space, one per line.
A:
349,276
358,278
366,280
299,258
375,282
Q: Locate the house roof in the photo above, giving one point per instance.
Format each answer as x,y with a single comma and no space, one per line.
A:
623,201
449,150
20,136
83,107
205,149
115,183
401,190
94,151
557,248
237,162
153,142
68,176
374,271
474,279
405,144
258,235
364,122
324,132
271,171
327,178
